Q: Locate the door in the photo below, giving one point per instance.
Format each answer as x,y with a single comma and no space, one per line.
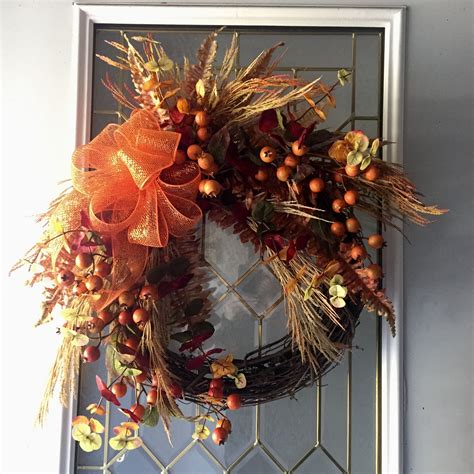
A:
331,427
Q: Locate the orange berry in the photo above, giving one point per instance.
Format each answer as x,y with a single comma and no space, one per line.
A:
125,318
339,176
292,161
180,157
317,185
83,260
358,251
202,183
262,174
338,205
212,188
298,150
351,197
91,354
283,173
182,105
140,378
267,154
374,271
351,171
375,241
205,161
103,269
372,173
66,278
193,151
119,389
202,119
353,225
94,283
338,229
203,133
80,289
132,342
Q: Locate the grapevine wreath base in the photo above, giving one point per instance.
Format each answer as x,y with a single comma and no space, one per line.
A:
120,259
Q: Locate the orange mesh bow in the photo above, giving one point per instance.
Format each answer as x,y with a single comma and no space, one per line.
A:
129,175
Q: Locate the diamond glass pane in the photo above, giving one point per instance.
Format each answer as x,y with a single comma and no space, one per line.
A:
329,428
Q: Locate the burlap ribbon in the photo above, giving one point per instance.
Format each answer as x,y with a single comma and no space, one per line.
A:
127,183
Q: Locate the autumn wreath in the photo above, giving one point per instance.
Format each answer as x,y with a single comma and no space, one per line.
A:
120,258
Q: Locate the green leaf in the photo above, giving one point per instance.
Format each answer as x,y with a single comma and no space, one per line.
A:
338,290
201,432
337,302
165,63
117,443
343,76
124,369
280,119
336,280
182,337
354,158
93,442
194,307
178,266
80,431
218,144
151,416
263,211
365,162
307,293
152,66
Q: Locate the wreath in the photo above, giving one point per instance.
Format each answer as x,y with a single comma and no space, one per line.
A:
120,253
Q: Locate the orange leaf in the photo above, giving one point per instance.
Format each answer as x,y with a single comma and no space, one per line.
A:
291,285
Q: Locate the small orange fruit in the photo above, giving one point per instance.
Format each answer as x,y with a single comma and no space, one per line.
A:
193,151
205,161
374,271
202,119
83,260
66,278
119,389
298,150
138,410
149,292
140,317
338,229
375,241
292,161
94,283
152,396
372,173
224,423
267,154
283,173
95,325
203,133
358,251
338,205
262,174
212,188
317,185
126,299
351,197
353,225
180,157
91,354
219,436
125,318
351,171
103,269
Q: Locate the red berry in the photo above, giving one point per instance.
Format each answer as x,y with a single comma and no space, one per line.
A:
233,401
119,389
103,269
216,392
219,436
91,354
125,318
84,260
216,383
140,317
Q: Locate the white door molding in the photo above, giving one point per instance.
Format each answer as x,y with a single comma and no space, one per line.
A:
392,21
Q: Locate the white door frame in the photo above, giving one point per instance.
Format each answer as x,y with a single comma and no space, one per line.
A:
392,21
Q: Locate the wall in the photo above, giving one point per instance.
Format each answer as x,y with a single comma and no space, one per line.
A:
36,42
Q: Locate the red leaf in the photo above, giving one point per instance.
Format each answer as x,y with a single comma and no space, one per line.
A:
216,350
291,252
306,132
275,241
176,116
302,241
268,120
196,362
105,392
131,415
195,342
295,128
